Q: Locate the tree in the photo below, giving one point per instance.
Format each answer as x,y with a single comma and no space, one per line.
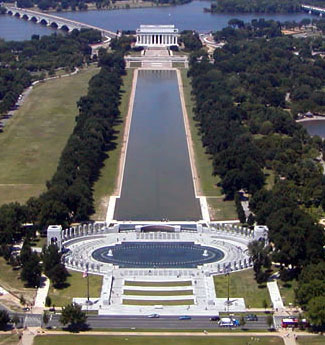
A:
4,319
73,316
46,317
31,271
22,300
265,305
316,312
15,319
269,321
48,301
242,321
58,275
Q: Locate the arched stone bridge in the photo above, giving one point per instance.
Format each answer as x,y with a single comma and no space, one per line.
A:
54,21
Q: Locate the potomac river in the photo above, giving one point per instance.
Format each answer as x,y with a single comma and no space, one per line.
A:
188,16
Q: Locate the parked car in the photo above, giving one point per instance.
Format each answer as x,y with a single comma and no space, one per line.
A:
251,317
154,316
184,317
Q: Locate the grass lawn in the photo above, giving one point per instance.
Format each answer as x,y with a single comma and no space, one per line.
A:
317,340
287,291
10,280
219,209
33,140
242,284
104,186
139,340
9,339
77,288
157,284
157,302
222,210
158,293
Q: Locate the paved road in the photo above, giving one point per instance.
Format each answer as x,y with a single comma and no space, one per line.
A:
166,322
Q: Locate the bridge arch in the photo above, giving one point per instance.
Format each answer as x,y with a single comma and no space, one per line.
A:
17,14
43,21
33,19
25,16
10,13
64,27
54,25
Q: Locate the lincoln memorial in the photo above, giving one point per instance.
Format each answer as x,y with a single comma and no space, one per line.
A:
157,36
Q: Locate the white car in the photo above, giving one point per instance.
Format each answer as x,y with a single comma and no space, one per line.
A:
154,316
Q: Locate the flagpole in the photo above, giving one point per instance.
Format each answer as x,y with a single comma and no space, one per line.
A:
87,288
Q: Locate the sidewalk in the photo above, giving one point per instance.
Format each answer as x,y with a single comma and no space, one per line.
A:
275,295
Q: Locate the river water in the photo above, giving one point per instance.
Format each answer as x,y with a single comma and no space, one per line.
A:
188,16
157,182
315,127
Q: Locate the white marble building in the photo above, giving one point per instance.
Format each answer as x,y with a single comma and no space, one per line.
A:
157,36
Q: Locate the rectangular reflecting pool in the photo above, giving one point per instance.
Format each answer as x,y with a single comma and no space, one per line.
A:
157,182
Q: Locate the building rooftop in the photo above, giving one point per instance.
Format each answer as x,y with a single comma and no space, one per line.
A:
157,29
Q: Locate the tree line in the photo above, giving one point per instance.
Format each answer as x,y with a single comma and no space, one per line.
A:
82,5
261,6
22,62
245,105
69,195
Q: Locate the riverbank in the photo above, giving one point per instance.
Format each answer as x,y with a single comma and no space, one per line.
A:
118,5
314,118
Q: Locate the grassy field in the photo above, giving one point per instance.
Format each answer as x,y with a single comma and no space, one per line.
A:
222,210
317,340
10,280
158,293
219,209
139,340
242,284
105,185
9,339
157,284
77,288
35,136
287,291
157,302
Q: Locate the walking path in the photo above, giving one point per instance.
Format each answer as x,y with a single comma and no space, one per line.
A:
42,292
275,295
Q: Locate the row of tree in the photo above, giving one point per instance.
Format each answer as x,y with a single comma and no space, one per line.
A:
82,5
245,103
21,62
261,6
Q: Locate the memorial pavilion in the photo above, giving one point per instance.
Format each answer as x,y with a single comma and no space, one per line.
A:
157,36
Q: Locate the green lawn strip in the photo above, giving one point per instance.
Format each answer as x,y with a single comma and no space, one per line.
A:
34,137
222,210
157,293
9,339
77,287
105,185
242,284
157,284
158,302
308,340
157,340
202,160
10,280
287,291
